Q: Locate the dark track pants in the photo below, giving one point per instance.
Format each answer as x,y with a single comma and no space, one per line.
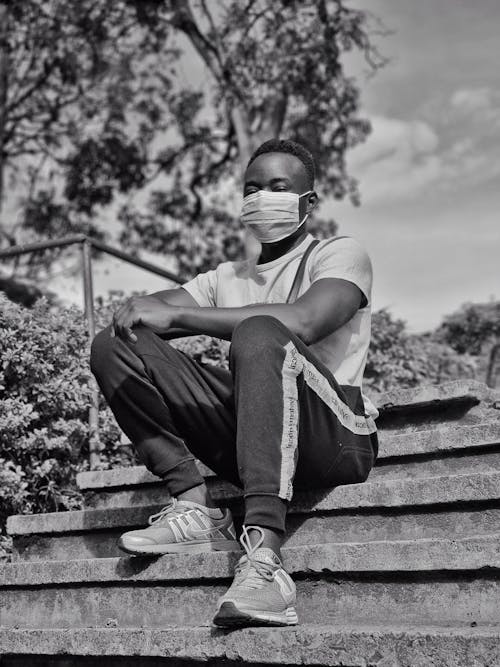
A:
276,421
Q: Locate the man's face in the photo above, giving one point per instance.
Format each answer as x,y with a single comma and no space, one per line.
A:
278,172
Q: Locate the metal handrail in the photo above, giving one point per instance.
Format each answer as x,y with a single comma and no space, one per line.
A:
87,244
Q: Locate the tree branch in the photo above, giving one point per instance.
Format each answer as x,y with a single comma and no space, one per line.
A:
183,19
198,178
208,16
276,108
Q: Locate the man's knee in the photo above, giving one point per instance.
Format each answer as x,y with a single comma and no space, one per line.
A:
255,334
107,350
103,350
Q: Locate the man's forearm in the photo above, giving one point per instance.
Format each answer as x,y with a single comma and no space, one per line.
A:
220,322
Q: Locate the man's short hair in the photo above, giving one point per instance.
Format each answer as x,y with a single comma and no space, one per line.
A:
291,147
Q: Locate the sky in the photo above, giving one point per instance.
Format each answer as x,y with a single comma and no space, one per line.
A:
429,174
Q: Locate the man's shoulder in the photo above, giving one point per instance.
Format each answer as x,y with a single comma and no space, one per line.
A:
339,244
342,256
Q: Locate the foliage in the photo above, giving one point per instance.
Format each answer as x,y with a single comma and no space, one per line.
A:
397,358
472,328
205,349
59,77
99,105
273,69
44,398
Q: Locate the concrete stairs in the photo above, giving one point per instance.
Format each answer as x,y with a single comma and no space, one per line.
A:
401,570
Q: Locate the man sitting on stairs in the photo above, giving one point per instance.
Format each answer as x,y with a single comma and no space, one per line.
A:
289,414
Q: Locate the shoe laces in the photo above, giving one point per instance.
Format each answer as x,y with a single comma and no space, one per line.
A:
254,573
160,516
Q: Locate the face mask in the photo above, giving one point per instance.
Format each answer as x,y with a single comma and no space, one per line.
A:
272,216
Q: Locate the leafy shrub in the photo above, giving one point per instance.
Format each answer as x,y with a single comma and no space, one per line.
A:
397,358
44,401
474,329
205,349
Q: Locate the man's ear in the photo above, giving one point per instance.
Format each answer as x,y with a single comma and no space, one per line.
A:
312,201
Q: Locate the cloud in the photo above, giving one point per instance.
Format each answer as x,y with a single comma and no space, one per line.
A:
398,159
480,102
455,144
393,138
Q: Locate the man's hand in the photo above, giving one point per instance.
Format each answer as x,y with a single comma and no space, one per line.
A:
150,311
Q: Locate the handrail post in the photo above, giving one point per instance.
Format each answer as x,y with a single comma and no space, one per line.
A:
492,363
88,292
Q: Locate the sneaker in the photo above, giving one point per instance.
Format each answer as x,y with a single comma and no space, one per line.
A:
183,527
262,593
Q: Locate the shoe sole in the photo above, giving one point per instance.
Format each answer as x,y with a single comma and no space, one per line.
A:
230,616
180,548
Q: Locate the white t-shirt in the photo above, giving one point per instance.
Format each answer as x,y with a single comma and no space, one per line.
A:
235,284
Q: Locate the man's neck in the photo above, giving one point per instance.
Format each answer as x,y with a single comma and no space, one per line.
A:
272,251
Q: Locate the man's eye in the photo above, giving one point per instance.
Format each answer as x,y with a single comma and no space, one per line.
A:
280,188
250,191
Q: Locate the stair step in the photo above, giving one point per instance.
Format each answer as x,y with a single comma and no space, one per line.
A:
395,646
464,391
461,401
446,440
426,581
453,450
368,526
478,429
380,493
450,505
121,486
154,492
480,551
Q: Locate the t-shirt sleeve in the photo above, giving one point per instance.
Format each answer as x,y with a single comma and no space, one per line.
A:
346,259
203,288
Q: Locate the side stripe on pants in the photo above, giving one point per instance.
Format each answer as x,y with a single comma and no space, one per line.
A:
294,364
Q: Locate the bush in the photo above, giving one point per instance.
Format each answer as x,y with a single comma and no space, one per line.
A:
44,399
44,402
399,359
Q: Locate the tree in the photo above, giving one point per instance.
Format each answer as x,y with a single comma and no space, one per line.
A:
275,68
4,63
109,111
475,329
58,73
471,327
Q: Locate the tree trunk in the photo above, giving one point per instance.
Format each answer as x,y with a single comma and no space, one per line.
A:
243,136
4,57
272,121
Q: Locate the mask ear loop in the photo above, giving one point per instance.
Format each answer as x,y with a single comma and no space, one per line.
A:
309,192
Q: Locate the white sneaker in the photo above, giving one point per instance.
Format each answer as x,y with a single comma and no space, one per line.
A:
183,527
262,593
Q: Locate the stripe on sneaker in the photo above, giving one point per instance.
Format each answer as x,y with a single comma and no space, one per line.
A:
198,518
283,581
176,530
